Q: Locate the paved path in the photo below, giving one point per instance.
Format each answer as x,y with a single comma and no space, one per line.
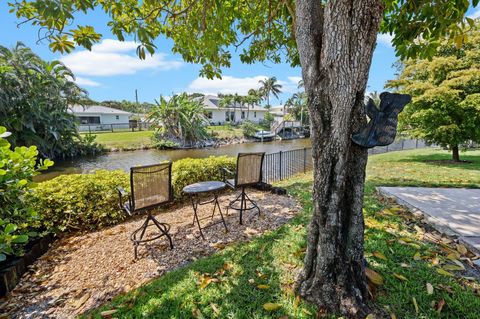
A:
455,211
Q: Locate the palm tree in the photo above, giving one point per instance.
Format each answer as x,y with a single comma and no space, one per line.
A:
226,101
270,86
253,97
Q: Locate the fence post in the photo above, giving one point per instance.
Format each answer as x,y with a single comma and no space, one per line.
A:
280,165
89,130
304,160
111,126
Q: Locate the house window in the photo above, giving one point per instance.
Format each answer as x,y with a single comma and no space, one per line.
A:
229,116
89,120
255,114
117,117
243,115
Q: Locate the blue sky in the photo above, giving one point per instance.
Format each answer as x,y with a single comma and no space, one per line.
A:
111,71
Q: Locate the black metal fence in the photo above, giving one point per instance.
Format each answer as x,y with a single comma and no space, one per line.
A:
284,164
116,127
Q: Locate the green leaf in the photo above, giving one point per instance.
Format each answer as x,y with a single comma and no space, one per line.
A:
10,228
20,239
3,257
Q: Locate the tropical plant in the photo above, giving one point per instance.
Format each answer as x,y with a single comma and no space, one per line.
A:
249,128
446,95
333,43
180,120
19,222
34,100
270,86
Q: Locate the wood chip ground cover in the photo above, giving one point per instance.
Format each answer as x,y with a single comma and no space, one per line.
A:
81,272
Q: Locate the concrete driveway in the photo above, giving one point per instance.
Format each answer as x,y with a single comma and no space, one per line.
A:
454,211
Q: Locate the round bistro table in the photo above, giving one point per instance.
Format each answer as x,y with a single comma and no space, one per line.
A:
195,190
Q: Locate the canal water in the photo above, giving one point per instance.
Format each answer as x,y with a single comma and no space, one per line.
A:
127,159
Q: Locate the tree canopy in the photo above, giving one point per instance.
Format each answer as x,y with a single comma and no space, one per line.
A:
446,94
34,100
206,32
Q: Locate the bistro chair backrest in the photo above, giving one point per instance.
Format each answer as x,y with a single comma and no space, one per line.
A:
249,168
151,185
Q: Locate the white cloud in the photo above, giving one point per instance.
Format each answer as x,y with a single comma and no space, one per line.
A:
385,39
231,85
86,82
112,57
475,14
226,85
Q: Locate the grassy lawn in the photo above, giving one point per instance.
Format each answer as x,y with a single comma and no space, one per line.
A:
238,281
141,139
225,131
418,168
124,140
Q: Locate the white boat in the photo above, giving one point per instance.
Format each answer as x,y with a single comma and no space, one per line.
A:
264,135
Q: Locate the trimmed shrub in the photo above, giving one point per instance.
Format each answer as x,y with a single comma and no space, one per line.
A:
80,201
192,170
89,201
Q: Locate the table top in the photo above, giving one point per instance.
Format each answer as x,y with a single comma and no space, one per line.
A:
204,187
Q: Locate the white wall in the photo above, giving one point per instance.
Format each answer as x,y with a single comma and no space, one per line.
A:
218,116
105,122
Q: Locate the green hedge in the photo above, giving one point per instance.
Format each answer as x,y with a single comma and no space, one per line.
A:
80,201
89,201
192,170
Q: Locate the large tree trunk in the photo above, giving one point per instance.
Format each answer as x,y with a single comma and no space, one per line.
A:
455,153
335,44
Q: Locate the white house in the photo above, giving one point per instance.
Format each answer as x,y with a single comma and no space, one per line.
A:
99,118
234,114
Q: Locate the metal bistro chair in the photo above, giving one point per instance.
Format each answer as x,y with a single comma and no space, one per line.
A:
151,186
248,173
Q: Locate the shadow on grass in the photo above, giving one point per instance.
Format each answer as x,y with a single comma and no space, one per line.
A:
473,161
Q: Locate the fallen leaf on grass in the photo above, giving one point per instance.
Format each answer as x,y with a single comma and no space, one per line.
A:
440,305
454,267
444,272
197,313
305,311
374,276
429,288
379,255
205,282
215,309
296,302
401,277
108,313
415,304
462,249
271,306
393,316
453,256
370,316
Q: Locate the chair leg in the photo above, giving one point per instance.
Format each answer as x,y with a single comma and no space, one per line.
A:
164,231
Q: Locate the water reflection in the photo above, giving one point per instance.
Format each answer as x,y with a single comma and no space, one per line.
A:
125,160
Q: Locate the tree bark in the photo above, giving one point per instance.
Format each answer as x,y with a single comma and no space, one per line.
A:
455,153
335,43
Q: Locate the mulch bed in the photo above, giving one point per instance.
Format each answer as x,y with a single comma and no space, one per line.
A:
81,272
